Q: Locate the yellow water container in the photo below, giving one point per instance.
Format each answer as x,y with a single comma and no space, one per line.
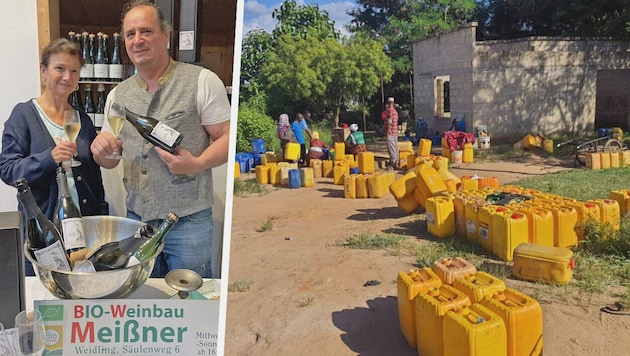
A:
622,196
548,264
530,141
390,177
292,151
451,185
541,224
484,216
377,185
489,182
420,197
548,145
449,269
523,320
468,156
424,147
405,146
366,162
614,160
478,285
440,163
585,211
446,152
459,206
349,157
340,151
316,165
403,186
510,229
471,208
327,169
262,174
349,186
593,161
408,204
271,157
624,158
430,310
429,181
440,216
565,218
275,174
410,284
402,158
468,183
339,170
284,175
617,133
411,161
362,188
307,176
604,158
474,330
237,170
609,212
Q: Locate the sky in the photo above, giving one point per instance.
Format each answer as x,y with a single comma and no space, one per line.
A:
258,13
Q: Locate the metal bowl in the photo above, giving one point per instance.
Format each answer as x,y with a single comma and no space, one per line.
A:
105,284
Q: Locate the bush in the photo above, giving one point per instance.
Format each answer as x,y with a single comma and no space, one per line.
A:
254,124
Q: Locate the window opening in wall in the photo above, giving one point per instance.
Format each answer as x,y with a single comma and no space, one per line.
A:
442,96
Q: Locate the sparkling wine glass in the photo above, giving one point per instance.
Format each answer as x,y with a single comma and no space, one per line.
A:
31,332
5,345
72,126
115,118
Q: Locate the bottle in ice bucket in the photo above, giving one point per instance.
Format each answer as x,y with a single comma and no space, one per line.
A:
150,247
68,220
43,238
154,131
116,254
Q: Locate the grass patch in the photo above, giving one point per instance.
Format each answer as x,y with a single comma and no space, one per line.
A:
243,285
267,225
304,302
366,241
246,187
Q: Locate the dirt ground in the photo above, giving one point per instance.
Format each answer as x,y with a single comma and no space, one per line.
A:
307,294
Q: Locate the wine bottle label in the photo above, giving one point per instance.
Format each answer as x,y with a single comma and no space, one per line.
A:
87,71
98,120
53,256
101,71
165,133
73,236
116,71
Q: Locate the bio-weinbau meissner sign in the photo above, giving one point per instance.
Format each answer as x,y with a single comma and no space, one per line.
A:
140,327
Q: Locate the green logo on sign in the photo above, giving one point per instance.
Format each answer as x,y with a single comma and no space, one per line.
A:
51,312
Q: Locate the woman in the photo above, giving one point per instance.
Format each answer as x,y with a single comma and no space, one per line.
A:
355,143
284,132
317,147
34,143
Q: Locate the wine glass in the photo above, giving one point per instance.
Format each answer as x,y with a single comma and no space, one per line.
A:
72,126
31,332
115,118
5,345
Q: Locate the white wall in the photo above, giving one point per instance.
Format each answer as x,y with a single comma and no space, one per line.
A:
19,68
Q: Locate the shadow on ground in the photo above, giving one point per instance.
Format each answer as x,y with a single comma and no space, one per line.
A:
377,214
373,330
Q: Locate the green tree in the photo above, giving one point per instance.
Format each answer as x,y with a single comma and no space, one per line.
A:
298,20
254,123
256,46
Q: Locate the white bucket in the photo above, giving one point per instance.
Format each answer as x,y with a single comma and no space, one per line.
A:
484,142
457,156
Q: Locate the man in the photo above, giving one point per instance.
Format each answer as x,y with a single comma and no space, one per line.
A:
191,100
298,132
390,122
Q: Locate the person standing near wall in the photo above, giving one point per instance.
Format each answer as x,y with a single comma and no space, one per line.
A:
390,123
298,132
191,100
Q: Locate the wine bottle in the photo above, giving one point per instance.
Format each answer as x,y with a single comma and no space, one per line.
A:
67,217
116,254
149,248
154,131
116,66
71,36
99,115
100,61
87,70
75,99
43,238
92,51
89,104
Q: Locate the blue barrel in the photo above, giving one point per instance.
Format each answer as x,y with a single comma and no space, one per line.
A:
460,125
243,161
250,160
256,157
602,132
354,170
324,153
258,145
436,140
295,179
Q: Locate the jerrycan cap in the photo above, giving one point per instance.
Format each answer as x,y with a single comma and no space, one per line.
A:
572,264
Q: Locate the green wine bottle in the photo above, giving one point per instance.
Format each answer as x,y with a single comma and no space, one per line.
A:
155,131
116,254
67,216
150,247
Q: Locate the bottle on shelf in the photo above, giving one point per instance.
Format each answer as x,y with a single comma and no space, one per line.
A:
72,36
150,247
77,38
75,99
92,51
116,254
99,115
116,66
68,220
89,103
100,62
154,131
87,70
43,238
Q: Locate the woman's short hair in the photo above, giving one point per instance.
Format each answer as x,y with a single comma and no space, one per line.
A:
61,45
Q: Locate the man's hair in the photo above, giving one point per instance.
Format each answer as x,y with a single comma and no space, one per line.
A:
164,25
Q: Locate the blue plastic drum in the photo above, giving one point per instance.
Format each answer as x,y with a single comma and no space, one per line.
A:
295,178
258,145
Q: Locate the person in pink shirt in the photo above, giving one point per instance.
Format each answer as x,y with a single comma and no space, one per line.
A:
390,123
